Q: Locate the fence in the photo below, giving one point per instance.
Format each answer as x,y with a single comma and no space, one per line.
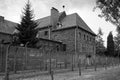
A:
21,58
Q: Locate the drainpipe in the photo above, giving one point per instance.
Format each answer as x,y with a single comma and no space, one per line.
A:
49,27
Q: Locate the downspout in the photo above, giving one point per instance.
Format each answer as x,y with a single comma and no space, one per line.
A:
49,27
76,54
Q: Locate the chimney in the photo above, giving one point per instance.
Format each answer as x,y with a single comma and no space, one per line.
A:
1,18
54,17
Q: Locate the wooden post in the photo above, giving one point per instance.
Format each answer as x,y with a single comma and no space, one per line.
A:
26,55
7,63
105,62
72,63
79,65
95,64
15,57
52,77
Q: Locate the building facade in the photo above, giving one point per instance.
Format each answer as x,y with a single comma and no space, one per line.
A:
71,30
66,35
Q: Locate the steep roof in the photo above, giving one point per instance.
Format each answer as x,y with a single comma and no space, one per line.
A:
7,26
68,21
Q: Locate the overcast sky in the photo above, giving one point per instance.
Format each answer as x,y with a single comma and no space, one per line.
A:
12,10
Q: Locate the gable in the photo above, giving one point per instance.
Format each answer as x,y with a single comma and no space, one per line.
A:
82,24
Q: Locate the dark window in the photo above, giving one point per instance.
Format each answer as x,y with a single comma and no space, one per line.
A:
87,38
79,34
46,33
57,48
84,37
64,47
90,38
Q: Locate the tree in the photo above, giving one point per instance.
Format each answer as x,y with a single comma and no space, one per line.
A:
110,45
110,10
117,43
27,29
100,48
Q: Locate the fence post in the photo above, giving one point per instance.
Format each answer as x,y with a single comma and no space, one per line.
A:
72,63
95,64
7,63
52,77
79,66
15,57
105,62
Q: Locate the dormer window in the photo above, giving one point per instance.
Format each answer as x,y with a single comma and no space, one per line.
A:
59,24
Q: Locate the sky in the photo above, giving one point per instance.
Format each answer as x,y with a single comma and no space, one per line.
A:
12,10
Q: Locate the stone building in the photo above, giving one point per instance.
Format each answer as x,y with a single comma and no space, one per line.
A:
70,29
61,32
6,30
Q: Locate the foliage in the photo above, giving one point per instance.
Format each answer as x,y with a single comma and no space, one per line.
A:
100,48
117,44
27,29
110,45
110,10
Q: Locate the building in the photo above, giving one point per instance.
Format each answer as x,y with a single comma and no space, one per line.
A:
67,35
6,30
70,29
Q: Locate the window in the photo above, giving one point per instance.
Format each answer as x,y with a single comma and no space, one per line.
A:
84,37
79,34
87,38
59,24
64,47
57,48
46,33
90,38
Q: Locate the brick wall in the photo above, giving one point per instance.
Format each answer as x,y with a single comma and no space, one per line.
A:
85,42
43,33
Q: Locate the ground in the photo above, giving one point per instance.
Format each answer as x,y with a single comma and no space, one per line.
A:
111,73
